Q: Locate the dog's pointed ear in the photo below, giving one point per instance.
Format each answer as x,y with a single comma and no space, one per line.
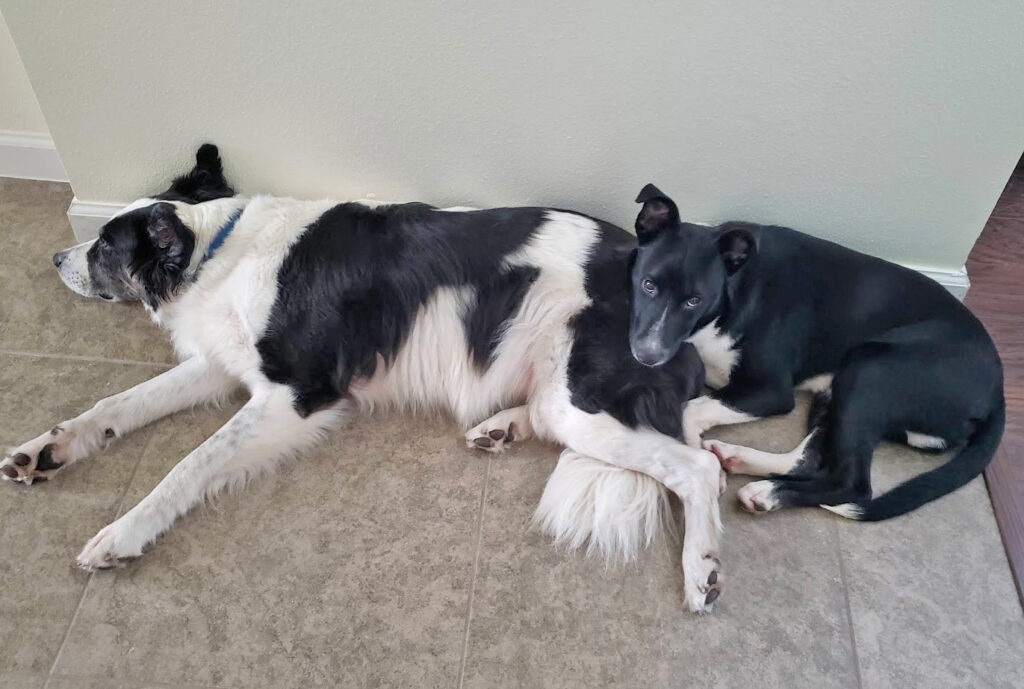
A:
658,214
204,182
736,245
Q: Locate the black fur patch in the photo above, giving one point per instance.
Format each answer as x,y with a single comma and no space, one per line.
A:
45,460
350,287
603,375
497,301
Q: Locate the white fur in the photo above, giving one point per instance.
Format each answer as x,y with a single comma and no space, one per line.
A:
925,442
847,510
218,319
704,413
738,459
819,383
758,496
717,351
613,511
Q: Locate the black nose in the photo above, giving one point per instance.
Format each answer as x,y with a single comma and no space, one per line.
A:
58,259
649,356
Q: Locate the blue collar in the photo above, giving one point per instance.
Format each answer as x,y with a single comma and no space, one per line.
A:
222,234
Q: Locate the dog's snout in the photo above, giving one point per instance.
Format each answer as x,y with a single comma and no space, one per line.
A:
58,258
649,355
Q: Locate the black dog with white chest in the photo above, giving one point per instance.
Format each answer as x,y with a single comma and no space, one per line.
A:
889,354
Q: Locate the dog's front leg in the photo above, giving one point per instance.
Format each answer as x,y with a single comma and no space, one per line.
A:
692,474
264,429
194,381
747,397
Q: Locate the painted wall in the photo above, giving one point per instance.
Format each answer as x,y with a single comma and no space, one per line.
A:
19,110
890,127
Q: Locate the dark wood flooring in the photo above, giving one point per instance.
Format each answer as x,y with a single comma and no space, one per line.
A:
996,270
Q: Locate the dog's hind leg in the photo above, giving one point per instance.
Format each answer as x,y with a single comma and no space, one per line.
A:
737,459
266,428
804,460
505,427
192,382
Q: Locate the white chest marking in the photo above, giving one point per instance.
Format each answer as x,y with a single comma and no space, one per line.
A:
717,353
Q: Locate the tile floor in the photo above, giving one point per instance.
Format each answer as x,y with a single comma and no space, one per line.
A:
394,557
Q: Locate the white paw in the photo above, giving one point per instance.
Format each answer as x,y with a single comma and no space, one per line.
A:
698,418
114,545
758,496
503,428
38,459
703,581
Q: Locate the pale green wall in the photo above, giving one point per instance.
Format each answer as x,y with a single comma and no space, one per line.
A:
19,111
888,126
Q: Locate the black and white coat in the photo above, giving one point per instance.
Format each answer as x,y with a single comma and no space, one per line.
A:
517,316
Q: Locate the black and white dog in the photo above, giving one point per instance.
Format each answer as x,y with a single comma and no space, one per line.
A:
316,306
889,353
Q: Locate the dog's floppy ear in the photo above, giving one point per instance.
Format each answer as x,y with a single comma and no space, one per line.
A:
736,244
204,182
659,213
160,265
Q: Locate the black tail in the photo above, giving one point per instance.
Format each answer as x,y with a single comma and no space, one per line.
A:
964,466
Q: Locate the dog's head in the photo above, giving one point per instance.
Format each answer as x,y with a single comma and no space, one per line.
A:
682,275
143,251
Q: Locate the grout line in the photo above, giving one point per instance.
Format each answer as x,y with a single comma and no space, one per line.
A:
147,683
77,357
849,608
67,632
476,570
88,582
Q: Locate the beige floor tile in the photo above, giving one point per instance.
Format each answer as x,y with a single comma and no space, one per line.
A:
931,595
351,567
18,680
37,312
546,618
42,527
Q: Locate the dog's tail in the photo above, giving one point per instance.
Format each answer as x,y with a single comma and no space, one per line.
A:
964,466
615,512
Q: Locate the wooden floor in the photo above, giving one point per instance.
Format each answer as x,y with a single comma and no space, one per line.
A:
996,270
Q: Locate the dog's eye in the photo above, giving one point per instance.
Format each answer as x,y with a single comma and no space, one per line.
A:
649,287
693,301
106,297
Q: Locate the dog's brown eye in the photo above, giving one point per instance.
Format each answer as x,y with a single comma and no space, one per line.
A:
693,301
649,287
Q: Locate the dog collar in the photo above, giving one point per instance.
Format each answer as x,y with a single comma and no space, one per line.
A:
222,234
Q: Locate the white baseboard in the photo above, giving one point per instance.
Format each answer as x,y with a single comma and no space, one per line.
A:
956,281
87,218
30,156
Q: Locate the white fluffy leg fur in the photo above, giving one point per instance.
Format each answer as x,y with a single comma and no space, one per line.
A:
615,512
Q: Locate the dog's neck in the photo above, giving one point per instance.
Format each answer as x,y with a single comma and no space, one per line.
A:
206,220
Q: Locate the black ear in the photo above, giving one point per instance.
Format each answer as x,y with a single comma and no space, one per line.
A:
204,182
659,213
164,255
736,245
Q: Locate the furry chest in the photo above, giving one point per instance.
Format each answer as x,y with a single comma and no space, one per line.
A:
718,352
